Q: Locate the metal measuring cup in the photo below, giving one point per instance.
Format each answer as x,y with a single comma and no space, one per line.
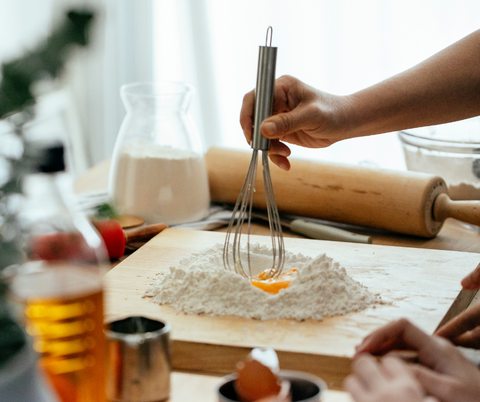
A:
138,360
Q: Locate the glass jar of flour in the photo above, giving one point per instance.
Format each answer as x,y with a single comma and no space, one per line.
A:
158,169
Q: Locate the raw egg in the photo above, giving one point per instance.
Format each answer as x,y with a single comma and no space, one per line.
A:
273,285
255,381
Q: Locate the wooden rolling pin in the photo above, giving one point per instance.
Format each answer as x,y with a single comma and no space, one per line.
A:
400,201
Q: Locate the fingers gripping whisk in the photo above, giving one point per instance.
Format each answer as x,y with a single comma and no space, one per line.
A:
234,247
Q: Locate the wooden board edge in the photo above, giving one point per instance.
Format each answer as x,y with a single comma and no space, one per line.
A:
222,359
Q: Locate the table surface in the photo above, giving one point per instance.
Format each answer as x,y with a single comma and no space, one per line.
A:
454,236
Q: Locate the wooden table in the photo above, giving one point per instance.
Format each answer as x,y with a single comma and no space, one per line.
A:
454,236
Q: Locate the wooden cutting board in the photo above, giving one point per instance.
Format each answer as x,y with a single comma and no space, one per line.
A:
420,285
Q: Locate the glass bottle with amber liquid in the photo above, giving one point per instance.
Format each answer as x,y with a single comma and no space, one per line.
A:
60,285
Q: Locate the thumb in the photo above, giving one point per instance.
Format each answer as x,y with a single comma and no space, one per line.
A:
279,125
472,280
436,384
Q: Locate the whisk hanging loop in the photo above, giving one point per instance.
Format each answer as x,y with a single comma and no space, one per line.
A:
269,29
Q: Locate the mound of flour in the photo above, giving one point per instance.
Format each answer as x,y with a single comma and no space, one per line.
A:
200,284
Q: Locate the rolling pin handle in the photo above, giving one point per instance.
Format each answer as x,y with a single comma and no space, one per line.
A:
465,211
144,233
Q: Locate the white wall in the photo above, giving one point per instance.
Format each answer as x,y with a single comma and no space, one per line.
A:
338,46
22,23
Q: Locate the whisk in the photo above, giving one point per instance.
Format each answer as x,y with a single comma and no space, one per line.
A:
242,212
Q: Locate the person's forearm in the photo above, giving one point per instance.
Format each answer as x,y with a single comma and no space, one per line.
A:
443,88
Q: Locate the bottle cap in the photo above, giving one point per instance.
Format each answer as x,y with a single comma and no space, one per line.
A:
47,157
53,159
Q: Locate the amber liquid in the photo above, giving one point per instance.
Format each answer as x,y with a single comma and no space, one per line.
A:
68,334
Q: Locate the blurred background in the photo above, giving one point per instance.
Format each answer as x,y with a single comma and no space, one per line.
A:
338,46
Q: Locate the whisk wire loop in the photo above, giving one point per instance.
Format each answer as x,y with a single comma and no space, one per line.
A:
242,214
276,233
269,30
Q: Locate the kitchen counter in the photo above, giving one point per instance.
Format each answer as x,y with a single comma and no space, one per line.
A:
454,236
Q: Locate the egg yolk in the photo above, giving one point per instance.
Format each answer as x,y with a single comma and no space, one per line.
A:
273,285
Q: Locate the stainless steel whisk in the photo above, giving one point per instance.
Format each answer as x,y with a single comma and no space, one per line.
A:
242,212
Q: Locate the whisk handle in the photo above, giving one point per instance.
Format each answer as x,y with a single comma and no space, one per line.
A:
264,92
324,232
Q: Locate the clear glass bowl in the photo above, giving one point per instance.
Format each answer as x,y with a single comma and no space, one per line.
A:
451,151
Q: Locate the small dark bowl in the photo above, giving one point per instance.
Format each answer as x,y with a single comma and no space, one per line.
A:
304,387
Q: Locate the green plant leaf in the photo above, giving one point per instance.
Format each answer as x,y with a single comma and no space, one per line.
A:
10,254
105,211
12,337
45,61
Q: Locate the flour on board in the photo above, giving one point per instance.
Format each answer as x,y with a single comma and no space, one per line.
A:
200,284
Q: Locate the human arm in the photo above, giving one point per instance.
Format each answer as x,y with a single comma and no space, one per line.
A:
445,373
441,89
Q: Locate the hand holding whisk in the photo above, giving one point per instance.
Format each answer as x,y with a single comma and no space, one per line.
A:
242,212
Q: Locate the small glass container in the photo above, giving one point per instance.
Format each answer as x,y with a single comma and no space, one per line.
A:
158,169
451,151
60,283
